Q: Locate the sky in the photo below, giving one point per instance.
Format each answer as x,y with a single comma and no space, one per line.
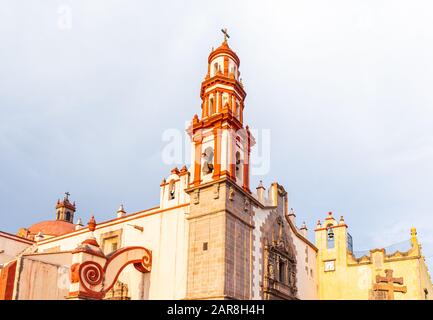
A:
88,89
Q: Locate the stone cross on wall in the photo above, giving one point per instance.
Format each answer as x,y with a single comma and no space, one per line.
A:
386,284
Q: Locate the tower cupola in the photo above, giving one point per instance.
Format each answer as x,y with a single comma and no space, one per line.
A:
65,209
221,143
222,90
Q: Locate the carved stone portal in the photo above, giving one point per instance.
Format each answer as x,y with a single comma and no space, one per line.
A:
279,260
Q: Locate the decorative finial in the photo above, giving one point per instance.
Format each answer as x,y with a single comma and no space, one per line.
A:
413,237
226,35
67,194
92,224
121,209
39,236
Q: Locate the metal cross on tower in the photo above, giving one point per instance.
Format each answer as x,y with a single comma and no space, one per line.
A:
226,35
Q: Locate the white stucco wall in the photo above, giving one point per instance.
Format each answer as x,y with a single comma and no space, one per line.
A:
306,269
11,246
42,277
164,233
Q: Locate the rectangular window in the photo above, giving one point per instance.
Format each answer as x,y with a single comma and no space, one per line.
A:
111,241
110,244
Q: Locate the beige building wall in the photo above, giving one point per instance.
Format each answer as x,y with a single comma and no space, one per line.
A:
307,275
42,277
11,246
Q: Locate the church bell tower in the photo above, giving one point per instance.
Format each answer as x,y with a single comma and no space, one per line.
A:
221,143
220,218
65,209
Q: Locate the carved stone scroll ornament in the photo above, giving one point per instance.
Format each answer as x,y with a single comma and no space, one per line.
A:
95,279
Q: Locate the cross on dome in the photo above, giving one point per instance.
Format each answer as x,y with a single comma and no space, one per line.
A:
226,35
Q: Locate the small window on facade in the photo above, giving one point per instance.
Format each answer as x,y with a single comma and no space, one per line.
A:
215,68
238,110
205,246
207,156
306,254
238,163
110,244
171,190
282,271
330,237
225,100
211,106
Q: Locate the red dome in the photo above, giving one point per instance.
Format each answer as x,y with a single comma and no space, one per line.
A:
52,228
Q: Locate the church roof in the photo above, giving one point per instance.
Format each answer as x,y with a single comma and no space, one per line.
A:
52,227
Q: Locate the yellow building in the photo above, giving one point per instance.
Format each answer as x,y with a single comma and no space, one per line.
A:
397,272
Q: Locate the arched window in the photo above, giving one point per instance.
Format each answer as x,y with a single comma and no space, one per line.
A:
215,68
225,100
58,215
171,190
330,237
208,155
211,106
238,110
238,164
68,216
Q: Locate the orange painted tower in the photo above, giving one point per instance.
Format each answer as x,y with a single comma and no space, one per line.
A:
222,144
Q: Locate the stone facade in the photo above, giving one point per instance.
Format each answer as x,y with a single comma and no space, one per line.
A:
219,254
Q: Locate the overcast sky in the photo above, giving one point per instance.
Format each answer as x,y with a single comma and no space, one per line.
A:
87,89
